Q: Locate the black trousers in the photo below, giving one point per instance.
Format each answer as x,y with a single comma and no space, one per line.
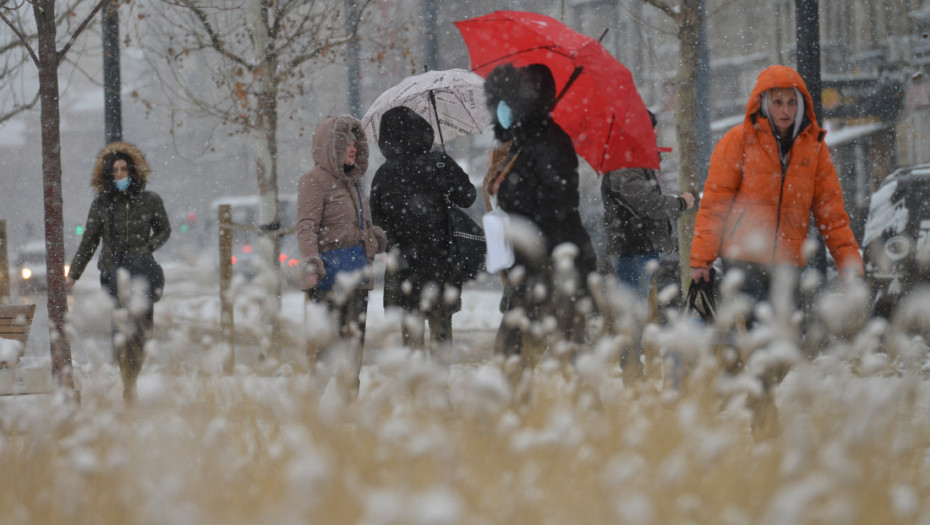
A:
130,331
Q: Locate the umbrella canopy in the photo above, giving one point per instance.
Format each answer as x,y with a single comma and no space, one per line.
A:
601,110
459,103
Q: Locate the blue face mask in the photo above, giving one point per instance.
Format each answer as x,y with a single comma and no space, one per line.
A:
503,115
123,184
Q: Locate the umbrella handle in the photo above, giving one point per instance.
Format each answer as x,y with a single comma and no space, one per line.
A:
571,80
432,101
575,74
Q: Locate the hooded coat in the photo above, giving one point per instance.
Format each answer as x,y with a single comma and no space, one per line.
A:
331,208
140,223
542,186
637,215
410,195
755,207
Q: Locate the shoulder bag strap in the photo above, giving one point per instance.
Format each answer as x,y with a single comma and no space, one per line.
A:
361,206
506,171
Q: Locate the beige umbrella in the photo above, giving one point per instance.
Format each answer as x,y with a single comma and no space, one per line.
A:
459,106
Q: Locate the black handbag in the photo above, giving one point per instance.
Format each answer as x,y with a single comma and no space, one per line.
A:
701,300
468,245
138,266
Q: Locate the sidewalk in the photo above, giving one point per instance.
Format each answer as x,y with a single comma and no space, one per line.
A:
191,312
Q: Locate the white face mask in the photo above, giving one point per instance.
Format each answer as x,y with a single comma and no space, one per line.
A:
123,184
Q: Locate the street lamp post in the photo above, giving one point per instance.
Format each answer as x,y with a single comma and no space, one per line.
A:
112,109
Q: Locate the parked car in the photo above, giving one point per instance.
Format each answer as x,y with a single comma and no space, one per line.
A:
896,242
29,268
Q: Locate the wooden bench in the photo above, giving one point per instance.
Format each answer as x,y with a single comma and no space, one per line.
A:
15,321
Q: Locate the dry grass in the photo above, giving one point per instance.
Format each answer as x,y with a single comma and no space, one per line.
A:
430,443
425,444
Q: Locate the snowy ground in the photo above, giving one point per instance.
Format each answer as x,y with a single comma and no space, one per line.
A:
192,305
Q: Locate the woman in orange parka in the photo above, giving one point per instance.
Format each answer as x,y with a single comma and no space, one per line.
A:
766,177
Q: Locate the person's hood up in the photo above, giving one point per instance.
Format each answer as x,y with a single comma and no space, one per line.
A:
404,133
529,91
101,181
780,77
330,140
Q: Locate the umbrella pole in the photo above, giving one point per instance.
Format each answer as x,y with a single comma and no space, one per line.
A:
432,100
571,80
575,74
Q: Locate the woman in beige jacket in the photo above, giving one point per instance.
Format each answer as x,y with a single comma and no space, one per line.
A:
333,214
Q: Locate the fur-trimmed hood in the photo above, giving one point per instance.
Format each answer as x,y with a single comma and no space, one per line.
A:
102,180
330,140
530,93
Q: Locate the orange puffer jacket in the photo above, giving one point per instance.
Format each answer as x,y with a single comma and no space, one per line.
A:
752,211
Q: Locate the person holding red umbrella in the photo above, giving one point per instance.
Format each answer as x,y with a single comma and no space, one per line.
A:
553,252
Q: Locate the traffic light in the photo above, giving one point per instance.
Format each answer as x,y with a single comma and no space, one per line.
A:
186,223
79,230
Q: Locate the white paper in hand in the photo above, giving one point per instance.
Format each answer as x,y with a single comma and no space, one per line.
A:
496,234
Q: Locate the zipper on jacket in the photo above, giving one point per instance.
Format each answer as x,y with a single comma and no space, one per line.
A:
781,190
781,194
127,225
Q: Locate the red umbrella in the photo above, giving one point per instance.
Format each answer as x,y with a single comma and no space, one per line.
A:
601,110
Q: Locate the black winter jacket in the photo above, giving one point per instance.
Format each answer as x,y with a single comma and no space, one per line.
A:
140,222
409,198
543,184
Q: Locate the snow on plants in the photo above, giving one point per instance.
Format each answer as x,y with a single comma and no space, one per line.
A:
798,419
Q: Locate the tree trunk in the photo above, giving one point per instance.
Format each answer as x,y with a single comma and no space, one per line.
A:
44,11
266,167
689,25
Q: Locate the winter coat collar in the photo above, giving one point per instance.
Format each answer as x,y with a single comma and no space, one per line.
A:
530,93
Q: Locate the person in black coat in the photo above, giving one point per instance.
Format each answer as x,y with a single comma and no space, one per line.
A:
410,195
540,194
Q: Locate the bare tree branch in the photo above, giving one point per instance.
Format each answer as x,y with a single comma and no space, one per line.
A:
331,43
665,8
725,5
80,29
22,38
20,108
216,42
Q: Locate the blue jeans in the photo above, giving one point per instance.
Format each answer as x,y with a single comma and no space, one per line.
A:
631,270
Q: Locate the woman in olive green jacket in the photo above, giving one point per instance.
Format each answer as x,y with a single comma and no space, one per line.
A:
126,218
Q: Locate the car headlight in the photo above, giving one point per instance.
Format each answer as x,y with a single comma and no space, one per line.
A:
897,247
26,273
